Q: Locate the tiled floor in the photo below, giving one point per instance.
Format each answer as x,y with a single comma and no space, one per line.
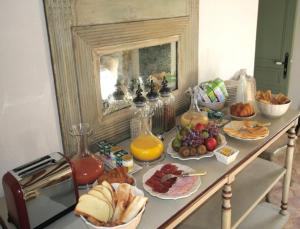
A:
294,195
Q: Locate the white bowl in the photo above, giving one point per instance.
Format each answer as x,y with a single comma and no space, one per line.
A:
273,110
213,106
226,159
131,224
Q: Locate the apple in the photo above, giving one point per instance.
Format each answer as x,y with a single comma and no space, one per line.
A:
211,144
199,127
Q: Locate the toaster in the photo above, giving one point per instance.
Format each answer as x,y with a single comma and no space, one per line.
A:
40,191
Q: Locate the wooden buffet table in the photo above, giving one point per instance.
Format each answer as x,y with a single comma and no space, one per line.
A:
230,195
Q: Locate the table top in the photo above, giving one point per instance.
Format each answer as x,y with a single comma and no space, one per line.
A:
158,212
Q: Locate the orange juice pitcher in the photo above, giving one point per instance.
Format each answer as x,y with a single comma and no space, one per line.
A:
145,147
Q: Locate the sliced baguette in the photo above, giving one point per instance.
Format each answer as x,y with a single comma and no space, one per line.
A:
133,209
89,205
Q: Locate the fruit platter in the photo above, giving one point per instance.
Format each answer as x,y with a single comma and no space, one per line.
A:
173,188
196,142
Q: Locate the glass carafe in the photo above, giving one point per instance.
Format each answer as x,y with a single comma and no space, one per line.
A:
87,166
146,148
193,116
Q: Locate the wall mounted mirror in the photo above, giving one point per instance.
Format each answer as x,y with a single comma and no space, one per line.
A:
121,72
101,48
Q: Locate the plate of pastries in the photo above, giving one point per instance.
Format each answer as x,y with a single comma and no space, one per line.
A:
241,111
247,130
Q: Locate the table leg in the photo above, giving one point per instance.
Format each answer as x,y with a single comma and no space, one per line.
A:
226,207
288,165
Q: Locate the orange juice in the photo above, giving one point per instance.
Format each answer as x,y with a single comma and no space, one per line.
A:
146,147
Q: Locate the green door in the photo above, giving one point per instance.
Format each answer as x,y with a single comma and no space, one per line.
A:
274,44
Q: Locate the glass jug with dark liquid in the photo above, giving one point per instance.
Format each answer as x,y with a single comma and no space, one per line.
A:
87,166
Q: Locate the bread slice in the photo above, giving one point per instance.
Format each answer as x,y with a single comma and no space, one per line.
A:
134,208
89,205
106,192
108,185
112,191
100,195
122,195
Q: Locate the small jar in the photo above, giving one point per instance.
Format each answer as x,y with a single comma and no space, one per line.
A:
157,109
127,161
168,100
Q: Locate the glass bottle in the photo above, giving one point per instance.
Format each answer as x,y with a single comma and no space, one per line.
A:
139,109
193,116
87,166
246,89
168,100
156,106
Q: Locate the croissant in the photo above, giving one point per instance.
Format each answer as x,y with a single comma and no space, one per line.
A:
242,109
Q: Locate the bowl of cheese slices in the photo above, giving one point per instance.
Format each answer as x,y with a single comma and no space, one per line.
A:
118,206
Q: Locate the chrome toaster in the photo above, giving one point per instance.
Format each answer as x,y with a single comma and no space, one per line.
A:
39,192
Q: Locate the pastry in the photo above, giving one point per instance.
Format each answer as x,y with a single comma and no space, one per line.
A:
242,110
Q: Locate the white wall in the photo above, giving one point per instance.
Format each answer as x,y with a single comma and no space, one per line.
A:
294,82
28,114
227,37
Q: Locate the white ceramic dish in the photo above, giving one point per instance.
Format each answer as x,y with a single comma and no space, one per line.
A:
131,224
273,110
242,118
226,159
176,155
165,196
231,125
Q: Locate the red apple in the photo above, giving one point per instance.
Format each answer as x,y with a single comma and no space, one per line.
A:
199,127
211,144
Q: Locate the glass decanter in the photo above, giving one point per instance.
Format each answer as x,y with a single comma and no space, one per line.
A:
194,115
145,147
87,166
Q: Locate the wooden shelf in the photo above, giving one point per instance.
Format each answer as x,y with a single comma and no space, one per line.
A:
249,188
265,215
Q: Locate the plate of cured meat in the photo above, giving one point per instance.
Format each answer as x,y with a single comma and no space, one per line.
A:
173,188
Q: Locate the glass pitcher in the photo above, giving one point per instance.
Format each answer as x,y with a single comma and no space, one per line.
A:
145,147
194,115
87,167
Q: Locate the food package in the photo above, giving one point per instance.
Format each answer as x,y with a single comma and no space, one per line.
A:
213,91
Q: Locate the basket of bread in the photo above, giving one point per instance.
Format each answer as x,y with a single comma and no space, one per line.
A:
118,206
272,105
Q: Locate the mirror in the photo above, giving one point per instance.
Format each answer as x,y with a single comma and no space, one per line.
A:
121,72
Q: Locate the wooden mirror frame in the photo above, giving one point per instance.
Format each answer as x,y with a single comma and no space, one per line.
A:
81,30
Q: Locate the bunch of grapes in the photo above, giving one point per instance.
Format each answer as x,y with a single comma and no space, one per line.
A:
193,138
213,130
